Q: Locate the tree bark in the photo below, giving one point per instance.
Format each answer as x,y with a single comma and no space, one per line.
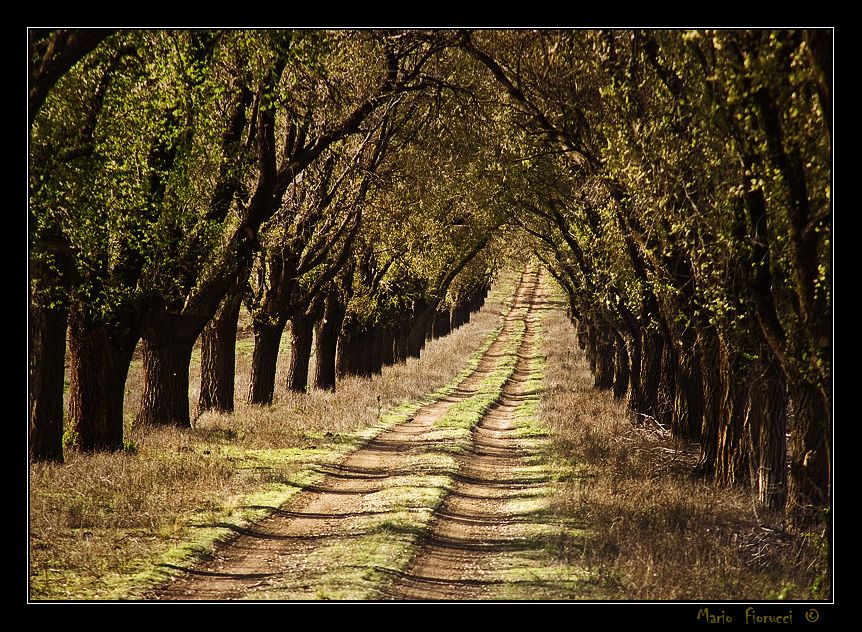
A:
732,460
418,328
326,346
810,454
459,316
667,384
687,418
652,349
47,372
442,323
267,339
346,347
708,350
466,314
583,337
621,365
375,345
401,339
477,298
165,401
302,328
635,396
218,353
99,359
387,347
367,359
767,427
591,347
354,349
604,354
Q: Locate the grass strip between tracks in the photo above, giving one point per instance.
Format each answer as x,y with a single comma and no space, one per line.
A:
542,571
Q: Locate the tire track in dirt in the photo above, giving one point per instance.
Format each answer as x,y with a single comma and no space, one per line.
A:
464,555
280,557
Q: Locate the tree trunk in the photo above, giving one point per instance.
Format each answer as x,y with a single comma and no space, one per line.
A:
652,350
99,359
591,347
634,370
810,450
365,357
348,349
375,344
359,350
621,378
47,372
767,427
354,352
604,371
302,328
442,323
477,299
326,345
667,384
687,412
418,328
732,457
165,401
267,339
732,462
401,338
712,395
387,353
583,337
689,388
218,353
458,316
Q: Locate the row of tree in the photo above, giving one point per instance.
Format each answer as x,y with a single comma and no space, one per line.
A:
176,176
362,185
680,192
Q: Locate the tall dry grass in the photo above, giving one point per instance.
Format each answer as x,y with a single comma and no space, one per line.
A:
97,519
654,532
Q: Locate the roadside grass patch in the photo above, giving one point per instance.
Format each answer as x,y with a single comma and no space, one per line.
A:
651,531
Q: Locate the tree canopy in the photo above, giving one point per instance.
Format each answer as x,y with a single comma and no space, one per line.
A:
676,184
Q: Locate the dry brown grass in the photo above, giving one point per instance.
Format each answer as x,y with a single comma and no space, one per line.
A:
94,517
656,534
98,519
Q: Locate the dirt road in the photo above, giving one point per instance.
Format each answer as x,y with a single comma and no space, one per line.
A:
419,512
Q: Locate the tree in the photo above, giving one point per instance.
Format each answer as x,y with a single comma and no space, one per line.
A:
646,131
62,151
118,195
52,54
366,72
